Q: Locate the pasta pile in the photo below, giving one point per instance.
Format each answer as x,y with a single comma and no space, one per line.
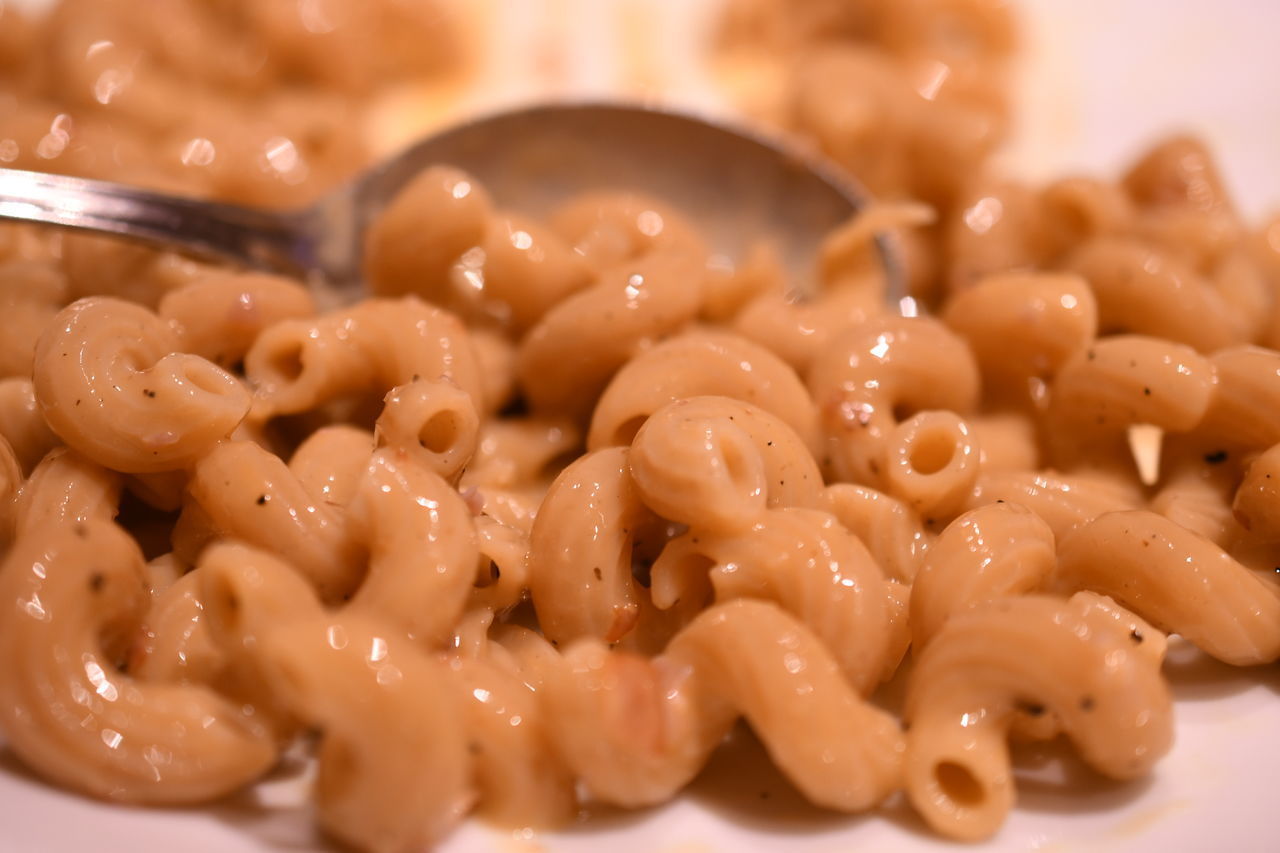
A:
252,101
561,501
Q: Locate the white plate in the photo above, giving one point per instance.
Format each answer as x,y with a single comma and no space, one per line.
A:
1101,78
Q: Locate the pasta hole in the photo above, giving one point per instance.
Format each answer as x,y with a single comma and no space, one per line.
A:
903,411
931,452
286,362
440,433
958,784
627,430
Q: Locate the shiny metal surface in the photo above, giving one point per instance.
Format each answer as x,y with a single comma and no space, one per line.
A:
737,185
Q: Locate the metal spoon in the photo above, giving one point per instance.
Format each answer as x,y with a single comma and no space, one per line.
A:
737,185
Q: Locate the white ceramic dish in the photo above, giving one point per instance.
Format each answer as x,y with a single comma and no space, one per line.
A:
1100,78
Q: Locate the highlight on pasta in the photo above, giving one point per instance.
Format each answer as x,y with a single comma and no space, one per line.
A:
562,502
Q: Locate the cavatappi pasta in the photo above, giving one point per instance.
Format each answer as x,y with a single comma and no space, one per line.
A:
539,521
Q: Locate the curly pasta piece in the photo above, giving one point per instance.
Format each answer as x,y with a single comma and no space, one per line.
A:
410,247
1001,549
1064,501
67,487
520,779
808,564
515,461
1078,209
1256,504
330,462
1178,580
422,548
502,571
112,383
932,463
72,715
439,238
10,480
250,494
1127,380
1023,326
797,331
1242,411
31,292
695,364
580,576
1198,496
356,681
567,359
609,228
1033,655
1141,290
653,723
874,375
520,271
435,423
378,344
173,644
715,463
21,423
891,530
220,314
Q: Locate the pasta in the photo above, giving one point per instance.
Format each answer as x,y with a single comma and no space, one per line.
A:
563,499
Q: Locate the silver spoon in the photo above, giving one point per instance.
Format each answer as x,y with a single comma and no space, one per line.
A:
737,185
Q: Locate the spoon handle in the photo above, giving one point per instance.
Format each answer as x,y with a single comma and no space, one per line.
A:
259,239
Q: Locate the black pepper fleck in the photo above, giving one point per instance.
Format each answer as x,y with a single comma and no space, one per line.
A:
599,574
96,580
1031,709
1086,703
1216,458
1136,635
1146,391
262,499
149,393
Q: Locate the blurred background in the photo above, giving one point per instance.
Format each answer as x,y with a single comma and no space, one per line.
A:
1094,80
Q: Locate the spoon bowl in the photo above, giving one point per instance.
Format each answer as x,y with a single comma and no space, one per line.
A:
737,185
